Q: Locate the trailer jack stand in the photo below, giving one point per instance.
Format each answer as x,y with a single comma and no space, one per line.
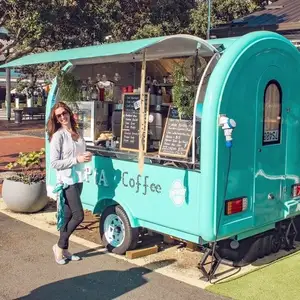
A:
290,235
216,261
213,267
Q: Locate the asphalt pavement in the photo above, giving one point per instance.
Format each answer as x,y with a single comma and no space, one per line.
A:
28,271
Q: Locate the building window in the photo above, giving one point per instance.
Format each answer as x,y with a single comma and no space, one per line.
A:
272,113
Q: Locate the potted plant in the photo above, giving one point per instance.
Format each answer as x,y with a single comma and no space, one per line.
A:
183,92
26,190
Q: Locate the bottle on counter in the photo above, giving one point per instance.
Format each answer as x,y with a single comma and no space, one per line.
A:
83,91
159,96
153,92
100,88
89,89
94,93
117,92
106,89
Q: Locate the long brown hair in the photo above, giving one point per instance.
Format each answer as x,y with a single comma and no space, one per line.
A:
53,125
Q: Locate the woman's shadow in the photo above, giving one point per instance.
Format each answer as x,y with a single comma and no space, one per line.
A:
107,177
104,285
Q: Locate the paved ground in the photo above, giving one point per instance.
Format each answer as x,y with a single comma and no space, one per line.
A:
28,127
29,272
11,146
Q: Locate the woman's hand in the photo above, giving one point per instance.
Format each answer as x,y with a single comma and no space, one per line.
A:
88,155
82,158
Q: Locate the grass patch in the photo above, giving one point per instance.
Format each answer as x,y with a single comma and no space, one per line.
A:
278,281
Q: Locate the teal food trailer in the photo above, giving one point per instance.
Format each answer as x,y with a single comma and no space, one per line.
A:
227,178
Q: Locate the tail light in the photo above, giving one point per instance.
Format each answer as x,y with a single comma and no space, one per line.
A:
234,206
296,190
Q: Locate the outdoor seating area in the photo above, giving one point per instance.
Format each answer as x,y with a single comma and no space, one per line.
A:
29,113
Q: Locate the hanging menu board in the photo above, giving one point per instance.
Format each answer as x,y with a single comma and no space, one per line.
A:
177,135
131,122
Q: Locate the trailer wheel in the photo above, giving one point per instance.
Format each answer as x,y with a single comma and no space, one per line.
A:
116,233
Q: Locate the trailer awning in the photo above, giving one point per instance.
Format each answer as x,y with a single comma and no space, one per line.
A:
156,48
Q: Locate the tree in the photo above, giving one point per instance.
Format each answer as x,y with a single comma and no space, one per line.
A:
130,16
148,18
39,25
222,11
46,25
173,15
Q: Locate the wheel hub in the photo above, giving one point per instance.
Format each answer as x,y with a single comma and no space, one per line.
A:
114,230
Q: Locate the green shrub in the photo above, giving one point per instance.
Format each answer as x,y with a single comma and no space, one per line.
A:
31,167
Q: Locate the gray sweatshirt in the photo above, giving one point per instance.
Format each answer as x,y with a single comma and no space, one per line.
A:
63,153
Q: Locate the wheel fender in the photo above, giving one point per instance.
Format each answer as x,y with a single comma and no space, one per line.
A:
103,204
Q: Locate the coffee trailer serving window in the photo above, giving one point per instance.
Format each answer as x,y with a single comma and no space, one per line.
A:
161,55
159,63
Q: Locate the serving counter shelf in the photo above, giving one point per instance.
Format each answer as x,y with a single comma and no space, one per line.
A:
150,157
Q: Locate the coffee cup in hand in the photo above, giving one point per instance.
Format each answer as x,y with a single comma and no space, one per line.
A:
88,155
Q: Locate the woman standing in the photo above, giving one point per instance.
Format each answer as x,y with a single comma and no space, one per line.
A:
67,155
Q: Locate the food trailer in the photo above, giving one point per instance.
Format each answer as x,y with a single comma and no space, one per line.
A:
224,174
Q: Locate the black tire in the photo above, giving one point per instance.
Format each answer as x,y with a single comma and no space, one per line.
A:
131,234
261,248
252,253
267,244
275,242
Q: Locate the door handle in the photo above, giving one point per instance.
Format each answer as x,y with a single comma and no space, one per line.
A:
271,196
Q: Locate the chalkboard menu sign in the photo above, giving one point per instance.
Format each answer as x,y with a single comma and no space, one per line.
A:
131,121
177,135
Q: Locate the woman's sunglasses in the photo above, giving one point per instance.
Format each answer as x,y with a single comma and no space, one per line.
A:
64,113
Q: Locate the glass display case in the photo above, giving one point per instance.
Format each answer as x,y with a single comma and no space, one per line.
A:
92,119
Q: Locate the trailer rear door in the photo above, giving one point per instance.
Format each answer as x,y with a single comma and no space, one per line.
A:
270,145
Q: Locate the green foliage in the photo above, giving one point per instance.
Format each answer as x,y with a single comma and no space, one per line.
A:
183,93
21,85
172,15
52,25
69,88
28,178
47,25
222,11
36,26
27,161
148,31
150,18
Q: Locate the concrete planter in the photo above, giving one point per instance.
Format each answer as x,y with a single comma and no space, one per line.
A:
25,198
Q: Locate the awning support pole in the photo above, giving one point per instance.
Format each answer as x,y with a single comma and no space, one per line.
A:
142,116
208,20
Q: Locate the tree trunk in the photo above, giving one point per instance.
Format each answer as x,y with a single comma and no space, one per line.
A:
8,96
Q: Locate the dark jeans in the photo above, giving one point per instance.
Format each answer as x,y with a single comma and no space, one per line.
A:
73,214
